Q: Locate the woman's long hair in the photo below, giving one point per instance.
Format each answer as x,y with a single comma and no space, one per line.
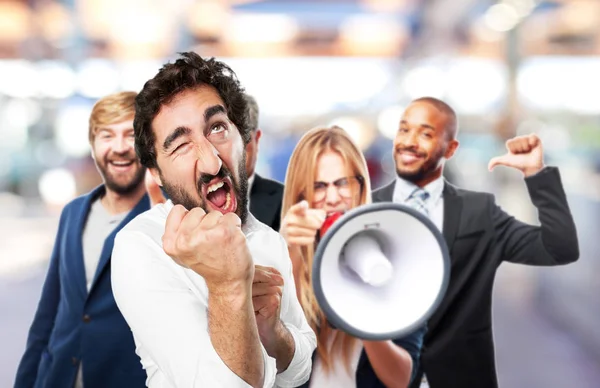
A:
299,185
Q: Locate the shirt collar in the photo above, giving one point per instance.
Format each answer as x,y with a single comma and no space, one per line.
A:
250,181
403,189
250,226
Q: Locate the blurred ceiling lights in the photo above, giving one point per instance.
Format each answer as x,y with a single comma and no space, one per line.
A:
15,21
373,35
143,29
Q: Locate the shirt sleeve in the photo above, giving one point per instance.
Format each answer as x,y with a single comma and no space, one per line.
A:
292,315
413,344
169,322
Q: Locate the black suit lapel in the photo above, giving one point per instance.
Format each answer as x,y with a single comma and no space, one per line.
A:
385,194
453,204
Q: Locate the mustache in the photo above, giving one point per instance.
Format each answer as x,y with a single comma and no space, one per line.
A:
128,155
206,178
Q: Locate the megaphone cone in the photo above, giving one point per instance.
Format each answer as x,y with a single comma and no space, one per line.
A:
380,271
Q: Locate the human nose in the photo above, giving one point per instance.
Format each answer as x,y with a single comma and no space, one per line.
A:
122,144
208,160
408,139
332,195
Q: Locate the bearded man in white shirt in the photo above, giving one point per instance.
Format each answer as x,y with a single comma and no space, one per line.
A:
206,288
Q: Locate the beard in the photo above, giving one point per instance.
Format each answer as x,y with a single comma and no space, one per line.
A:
179,195
428,167
125,182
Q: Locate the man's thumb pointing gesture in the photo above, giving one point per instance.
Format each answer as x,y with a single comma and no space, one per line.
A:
524,153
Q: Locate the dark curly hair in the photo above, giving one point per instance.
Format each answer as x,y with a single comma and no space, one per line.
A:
188,72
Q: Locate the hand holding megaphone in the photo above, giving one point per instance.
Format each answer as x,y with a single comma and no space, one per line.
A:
301,224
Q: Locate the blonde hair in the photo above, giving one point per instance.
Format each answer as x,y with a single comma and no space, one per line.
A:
111,109
299,180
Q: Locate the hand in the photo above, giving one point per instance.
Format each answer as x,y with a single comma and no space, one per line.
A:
153,189
524,153
212,245
300,224
267,290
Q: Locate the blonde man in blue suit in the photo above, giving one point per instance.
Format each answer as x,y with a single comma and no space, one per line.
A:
78,337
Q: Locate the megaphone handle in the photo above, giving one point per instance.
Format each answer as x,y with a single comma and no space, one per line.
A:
363,255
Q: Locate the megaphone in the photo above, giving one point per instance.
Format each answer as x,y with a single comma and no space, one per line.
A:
380,270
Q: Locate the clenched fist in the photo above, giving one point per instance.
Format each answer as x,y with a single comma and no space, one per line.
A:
525,153
300,224
212,245
267,290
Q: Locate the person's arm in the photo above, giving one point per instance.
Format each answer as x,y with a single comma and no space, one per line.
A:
43,321
195,342
293,318
233,332
555,241
396,362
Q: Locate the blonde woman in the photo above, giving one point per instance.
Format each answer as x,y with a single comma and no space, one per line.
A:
327,173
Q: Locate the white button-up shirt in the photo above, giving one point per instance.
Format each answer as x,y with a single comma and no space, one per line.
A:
165,305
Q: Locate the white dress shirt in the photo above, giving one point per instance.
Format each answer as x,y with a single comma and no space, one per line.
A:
435,203
250,183
165,305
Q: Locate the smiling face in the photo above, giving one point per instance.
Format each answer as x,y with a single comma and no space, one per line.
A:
422,144
200,153
114,153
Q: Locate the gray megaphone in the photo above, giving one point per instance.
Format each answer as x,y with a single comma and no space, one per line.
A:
380,271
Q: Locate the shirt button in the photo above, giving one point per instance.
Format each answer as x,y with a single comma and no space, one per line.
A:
86,318
74,360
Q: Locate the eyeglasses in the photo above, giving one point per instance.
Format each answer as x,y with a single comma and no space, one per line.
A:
346,187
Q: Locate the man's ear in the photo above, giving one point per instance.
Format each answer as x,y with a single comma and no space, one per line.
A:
153,184
451,149
92,153
155,176
257,135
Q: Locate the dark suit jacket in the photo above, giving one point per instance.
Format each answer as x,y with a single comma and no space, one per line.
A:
459,349
365,375
71,325
266,196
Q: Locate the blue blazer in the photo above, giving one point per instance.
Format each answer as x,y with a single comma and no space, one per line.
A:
365,374
71,325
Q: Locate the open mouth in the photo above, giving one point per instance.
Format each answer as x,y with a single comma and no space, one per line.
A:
220,195
121,164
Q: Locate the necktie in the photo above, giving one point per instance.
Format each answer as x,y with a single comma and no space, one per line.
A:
417,200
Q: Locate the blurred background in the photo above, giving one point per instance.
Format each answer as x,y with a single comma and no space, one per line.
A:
508,67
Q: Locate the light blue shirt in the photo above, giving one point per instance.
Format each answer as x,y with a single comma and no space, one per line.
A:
434,204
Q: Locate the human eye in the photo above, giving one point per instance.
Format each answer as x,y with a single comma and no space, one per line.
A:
319,186
342,182
181,148
218,128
